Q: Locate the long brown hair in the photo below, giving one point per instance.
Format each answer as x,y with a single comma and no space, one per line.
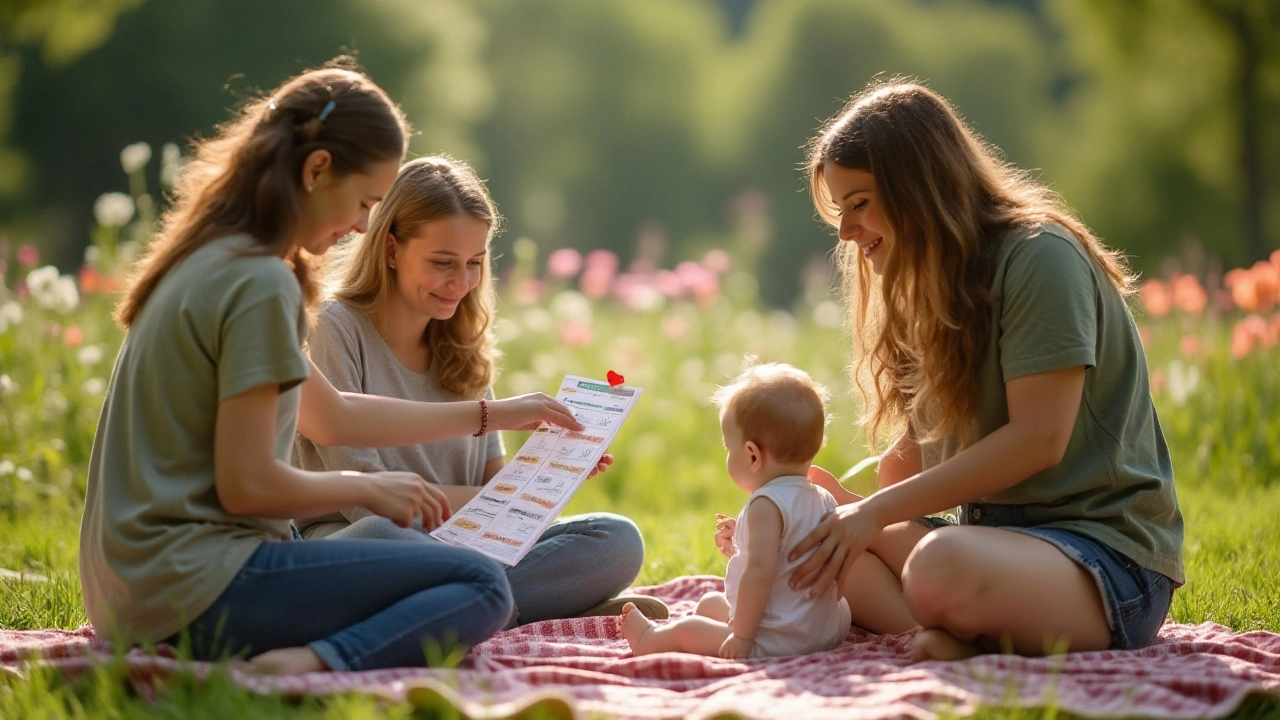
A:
920,329
246,178
461,349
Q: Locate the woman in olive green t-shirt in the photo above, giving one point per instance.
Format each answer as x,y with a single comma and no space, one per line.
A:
186,522
991,332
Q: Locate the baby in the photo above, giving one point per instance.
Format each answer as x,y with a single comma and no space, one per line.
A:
772,418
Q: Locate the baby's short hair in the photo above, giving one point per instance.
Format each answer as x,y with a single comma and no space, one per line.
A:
778,407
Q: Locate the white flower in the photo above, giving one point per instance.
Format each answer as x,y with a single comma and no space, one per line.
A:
90,354
53,291
537,320
92,254
135,157
505,330
6,467
93,386
573,306
24,475
827,314
113,209
41,280
10,314
59,294
1184,379
7,386
545,365
170,164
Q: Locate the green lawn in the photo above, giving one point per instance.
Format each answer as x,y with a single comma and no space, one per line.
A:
1223,430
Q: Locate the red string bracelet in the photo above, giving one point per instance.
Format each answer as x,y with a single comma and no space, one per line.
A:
484,418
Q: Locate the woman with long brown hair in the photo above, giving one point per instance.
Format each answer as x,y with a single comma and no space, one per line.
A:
409,312
186,532
993,343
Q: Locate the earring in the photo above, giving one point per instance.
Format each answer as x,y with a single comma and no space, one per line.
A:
308,188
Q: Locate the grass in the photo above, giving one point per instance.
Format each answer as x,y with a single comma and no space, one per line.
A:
1223,432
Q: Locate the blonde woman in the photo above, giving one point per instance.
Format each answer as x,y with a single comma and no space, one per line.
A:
411,302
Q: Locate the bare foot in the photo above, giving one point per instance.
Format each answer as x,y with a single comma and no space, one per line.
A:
288,661
940,645
636,629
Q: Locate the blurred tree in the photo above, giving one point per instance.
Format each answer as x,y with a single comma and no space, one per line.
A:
171,70
804,58
59,31
591,141
1170,138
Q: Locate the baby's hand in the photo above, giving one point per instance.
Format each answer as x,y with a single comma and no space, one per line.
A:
736,648
725,526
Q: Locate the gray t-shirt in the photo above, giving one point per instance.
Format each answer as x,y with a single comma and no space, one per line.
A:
1055,308
347,348
156,546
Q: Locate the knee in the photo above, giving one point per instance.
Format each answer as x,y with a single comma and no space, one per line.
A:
938,580
490,581
624,546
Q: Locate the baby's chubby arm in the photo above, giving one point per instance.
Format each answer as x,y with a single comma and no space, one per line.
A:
763,550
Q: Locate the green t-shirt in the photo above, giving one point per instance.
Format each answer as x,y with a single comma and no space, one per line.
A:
156,546
1055,308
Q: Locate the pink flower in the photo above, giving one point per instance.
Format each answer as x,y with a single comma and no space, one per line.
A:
73,336
90,280
675,327
603,260
1189,346
1158,381
1244,293
529,291
28,256
717,261
595,282
575,335
1188,295
668,283
564,263
1241,341
1156,298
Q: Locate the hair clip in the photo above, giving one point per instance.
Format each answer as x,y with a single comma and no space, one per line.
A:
271,104
328,108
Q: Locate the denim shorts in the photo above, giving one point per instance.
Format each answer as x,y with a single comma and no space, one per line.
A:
1134,599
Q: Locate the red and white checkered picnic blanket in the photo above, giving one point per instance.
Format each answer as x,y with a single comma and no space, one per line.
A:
1190,671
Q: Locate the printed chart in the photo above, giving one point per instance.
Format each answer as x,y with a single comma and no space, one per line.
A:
524,498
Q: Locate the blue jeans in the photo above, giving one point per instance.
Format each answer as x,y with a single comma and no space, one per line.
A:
359,605
1135,600
580,561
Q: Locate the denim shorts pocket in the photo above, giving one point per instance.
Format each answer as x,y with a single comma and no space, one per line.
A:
1143,615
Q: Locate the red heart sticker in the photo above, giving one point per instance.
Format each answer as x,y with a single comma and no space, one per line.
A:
615,379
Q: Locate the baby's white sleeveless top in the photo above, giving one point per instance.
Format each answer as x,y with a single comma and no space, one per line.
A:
792,624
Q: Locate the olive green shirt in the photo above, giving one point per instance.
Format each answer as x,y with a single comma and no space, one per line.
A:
1055,308
156,546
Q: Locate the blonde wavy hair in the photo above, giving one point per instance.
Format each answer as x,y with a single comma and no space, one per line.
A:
461,349
920,330
247,178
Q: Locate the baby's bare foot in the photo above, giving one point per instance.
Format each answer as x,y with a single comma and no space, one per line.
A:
940,645
288,661
636,629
